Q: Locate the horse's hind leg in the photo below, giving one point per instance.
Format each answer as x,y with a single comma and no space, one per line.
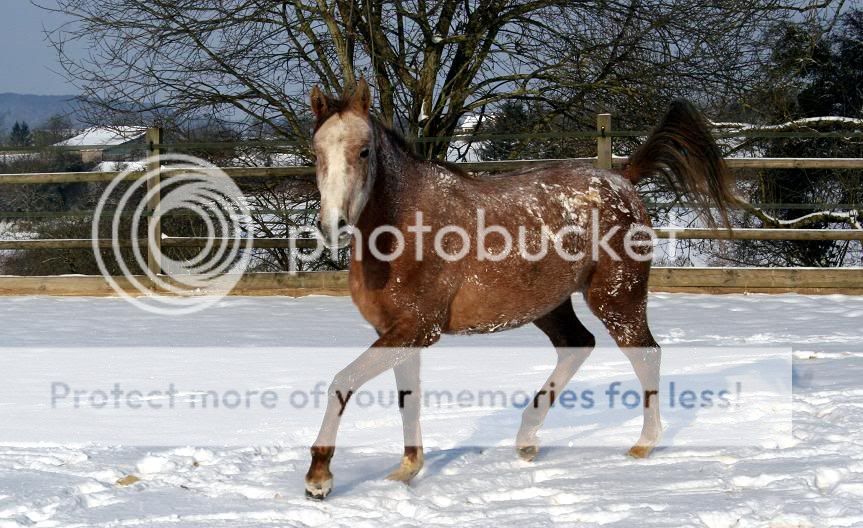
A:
573,343
617,295
408,384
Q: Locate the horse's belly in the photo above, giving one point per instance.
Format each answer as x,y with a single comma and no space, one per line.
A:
489,303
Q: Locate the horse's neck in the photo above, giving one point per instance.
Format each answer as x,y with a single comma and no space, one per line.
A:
395,176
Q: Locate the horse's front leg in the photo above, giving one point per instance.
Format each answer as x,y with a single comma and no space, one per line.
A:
409,401
397,345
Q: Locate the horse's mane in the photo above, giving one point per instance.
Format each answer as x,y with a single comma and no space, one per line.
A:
337,105
399,141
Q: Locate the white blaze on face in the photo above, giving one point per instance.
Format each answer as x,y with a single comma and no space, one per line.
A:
343,169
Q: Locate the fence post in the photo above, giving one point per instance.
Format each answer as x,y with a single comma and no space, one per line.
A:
603,141
154,138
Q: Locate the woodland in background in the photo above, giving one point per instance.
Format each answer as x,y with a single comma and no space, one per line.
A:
253,62
241,70
810,72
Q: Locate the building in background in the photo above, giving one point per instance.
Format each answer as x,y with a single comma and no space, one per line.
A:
99,144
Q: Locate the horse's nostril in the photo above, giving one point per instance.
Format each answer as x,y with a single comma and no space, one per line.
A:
342,223
318,225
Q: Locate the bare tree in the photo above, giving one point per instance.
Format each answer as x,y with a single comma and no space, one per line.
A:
430,61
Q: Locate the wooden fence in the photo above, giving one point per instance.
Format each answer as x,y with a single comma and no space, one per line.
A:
667,279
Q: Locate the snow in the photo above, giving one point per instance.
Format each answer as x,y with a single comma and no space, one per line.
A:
461,151
814,480
263,158
6,157
120,166
104,136
803,122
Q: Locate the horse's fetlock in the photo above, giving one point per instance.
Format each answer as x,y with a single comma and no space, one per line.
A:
322,453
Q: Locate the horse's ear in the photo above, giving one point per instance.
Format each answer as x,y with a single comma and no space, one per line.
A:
362,98
318,101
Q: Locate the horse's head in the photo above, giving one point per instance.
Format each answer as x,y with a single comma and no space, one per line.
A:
344,146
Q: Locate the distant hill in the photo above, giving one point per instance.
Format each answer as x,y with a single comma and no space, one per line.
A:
34,109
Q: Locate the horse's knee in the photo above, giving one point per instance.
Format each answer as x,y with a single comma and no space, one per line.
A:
341,382
342,388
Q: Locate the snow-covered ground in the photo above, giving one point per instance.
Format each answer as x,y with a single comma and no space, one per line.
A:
814,480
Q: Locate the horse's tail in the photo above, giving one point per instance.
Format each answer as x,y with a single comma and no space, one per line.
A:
682,149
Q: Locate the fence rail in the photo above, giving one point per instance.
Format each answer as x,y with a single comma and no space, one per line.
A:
706,280
39,178
310,243
662,279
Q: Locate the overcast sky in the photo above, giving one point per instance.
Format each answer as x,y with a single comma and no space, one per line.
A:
26,58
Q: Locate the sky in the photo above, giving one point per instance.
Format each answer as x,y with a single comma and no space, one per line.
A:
26,57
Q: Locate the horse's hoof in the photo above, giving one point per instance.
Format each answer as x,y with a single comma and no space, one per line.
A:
403,474
640,451
528,453
407,470
319,490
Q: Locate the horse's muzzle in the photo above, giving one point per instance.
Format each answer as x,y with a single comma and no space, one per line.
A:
335,238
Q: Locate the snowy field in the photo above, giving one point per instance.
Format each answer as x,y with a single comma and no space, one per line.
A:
814,480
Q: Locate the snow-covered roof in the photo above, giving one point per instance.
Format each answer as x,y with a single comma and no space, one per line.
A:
104,136
470,122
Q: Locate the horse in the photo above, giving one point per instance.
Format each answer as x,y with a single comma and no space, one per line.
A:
369,179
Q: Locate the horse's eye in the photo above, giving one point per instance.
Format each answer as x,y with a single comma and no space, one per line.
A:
364,153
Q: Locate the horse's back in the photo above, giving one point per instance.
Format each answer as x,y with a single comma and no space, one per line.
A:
557,195
573,202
